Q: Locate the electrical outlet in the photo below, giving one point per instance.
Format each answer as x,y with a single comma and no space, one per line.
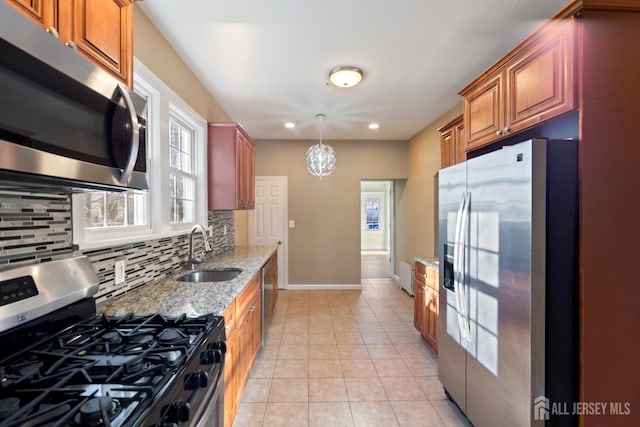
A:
120,274
292,223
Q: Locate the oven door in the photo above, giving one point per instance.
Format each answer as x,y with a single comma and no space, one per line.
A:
213,404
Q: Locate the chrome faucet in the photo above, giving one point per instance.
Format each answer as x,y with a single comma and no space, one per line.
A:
192,261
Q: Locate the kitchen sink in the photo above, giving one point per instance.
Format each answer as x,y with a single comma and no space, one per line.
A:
210,275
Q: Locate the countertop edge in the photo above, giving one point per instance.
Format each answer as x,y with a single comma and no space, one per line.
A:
428,261
170,297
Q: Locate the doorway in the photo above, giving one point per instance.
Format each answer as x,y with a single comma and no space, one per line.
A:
376,230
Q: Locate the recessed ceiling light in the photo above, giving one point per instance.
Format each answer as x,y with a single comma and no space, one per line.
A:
374,125
289,125
345,76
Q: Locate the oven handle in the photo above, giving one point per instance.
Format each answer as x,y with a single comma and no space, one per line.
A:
215,391
135,135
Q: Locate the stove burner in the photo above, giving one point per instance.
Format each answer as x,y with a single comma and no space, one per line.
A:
93,411
141,339
8,406
112,337
170,335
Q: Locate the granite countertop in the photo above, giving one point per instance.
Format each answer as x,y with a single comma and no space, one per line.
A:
172,298
429,261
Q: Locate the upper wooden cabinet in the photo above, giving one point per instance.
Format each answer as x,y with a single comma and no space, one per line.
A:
101,30
452,143
534,83
231,168
42,12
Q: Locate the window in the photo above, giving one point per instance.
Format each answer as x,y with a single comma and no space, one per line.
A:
109,209
181,178
176,165
373,213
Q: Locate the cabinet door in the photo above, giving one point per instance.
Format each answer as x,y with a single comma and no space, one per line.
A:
430,333
484,112
230,378
245,174
43,12
256,327
102,31
540,80
447,149
459,143
418,306
244,358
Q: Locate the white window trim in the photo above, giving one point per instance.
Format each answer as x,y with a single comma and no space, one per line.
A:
163,101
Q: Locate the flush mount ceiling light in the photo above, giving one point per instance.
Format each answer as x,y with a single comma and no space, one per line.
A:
289,125
321,158
345,76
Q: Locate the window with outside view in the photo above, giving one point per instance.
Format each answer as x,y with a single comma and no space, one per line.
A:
109,209
181,177
372,206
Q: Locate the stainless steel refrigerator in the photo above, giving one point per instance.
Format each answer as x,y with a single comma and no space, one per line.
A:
508,252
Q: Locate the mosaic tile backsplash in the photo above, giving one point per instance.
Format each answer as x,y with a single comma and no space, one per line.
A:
37,228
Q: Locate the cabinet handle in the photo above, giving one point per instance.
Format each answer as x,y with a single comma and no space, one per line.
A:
498,132
71,45
506,130
53,32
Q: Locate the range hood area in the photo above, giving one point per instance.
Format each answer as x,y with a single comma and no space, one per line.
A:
66,125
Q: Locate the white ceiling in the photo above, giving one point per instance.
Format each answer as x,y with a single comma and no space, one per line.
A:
267,61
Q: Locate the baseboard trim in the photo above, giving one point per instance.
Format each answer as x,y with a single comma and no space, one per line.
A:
329,286
396,278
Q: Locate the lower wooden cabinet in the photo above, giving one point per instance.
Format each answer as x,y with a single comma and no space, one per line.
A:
230,365
426,311
418,304
244,335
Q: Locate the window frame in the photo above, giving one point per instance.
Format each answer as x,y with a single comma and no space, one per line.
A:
162,103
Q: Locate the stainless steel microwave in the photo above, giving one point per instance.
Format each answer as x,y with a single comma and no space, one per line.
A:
65,123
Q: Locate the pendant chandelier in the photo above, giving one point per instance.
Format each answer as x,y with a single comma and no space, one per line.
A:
321,158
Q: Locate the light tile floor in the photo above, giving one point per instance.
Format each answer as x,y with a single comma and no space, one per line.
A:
346,358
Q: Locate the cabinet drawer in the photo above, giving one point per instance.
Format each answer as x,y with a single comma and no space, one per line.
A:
420,271
247,297
230,319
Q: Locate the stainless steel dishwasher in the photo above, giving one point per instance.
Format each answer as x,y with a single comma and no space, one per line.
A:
268,285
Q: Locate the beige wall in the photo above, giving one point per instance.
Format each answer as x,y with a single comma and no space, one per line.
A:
150,47
324,247
415,198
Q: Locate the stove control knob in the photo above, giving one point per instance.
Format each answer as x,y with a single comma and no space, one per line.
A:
178,412
219,345
207,357
184,411
202,378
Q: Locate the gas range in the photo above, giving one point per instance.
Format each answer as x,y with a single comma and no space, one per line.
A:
110,371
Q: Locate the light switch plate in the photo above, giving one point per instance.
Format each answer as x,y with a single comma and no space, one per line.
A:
120,274
292,223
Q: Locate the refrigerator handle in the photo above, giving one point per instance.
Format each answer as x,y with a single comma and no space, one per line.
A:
463,288
458,269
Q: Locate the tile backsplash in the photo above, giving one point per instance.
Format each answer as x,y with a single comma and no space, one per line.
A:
37,228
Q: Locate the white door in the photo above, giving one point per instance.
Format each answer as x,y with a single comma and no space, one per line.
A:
268,221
